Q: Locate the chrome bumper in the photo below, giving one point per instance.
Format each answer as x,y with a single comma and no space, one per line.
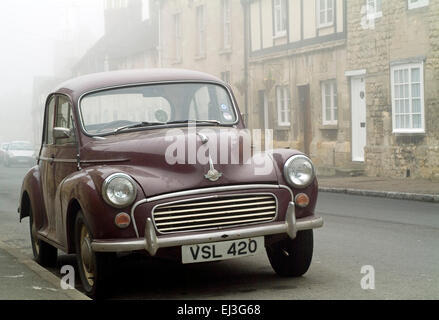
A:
152,243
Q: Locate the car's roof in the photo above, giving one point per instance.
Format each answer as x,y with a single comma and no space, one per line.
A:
78,86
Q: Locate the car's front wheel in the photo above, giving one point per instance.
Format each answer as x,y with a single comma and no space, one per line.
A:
44,254
292,257
93,266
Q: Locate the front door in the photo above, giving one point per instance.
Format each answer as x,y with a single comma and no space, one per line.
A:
358,111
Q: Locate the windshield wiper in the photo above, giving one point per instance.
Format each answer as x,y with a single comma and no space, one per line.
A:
138,125
151,124
195,121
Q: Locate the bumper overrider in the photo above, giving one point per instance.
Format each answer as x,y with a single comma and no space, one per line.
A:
151,243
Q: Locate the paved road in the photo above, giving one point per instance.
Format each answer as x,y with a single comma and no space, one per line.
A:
400,239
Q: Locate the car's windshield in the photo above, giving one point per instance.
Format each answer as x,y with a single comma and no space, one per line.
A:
106,111
20,146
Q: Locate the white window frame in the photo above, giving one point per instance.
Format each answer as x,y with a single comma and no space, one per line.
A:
201,31
372,12
227,24
280,12
283,105
333,119
409,67
417,4
178,38
326,23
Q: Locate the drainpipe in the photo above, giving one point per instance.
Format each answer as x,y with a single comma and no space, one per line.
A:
244,4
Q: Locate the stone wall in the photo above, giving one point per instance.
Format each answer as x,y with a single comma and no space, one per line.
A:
399,34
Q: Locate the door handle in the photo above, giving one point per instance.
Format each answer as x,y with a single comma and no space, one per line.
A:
52,159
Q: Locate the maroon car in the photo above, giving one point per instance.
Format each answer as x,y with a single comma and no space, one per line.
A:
138,161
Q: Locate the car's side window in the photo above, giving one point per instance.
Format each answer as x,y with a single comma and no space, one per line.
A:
63,119
48,135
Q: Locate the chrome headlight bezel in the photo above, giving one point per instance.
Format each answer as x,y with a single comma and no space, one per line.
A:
287,176
107,183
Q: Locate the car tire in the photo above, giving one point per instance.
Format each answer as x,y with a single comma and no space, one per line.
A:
93,267
45,254
292,257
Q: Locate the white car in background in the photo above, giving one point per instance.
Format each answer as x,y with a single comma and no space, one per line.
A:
3,147
19,152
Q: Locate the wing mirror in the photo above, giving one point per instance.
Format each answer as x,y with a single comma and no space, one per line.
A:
61,133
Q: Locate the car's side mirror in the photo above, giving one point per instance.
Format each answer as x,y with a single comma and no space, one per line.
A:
61,133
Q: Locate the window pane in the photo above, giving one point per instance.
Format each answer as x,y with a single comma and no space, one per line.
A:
396,76
407,122
406,75
407,106
416,90
417,121
416,104
398,122
415,75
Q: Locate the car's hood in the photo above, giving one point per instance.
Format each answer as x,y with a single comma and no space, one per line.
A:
149,157
21,153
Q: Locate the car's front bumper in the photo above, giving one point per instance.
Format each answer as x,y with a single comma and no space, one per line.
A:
152,242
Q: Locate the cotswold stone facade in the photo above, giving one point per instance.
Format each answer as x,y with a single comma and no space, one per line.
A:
297,82
398,54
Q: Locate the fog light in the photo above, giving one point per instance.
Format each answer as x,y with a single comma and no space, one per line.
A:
302,200
122,220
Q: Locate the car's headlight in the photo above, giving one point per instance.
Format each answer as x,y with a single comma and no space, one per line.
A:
299,171
119,190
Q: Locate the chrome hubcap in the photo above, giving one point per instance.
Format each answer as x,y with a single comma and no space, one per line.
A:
87,256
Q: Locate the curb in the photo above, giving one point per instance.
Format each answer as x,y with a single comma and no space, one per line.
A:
384,194
40,271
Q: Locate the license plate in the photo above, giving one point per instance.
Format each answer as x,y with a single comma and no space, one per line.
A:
221,250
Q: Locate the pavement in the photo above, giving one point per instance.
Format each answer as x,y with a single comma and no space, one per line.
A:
403,189
21,278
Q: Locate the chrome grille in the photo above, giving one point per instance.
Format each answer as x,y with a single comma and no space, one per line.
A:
214,212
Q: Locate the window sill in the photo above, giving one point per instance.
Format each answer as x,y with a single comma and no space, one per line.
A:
280,36
283,127
200,57
329,127
414,133
327,25
225,51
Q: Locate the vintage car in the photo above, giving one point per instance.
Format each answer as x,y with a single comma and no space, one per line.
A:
108,181
19,153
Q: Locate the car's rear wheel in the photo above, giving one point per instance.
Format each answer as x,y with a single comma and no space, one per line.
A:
44,254
93,266
292,258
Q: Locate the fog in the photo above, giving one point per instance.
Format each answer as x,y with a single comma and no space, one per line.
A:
39,38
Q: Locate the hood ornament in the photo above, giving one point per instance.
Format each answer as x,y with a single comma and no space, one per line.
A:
213,174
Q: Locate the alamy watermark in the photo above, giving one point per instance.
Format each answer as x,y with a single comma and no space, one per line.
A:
68,278
368,280
224,147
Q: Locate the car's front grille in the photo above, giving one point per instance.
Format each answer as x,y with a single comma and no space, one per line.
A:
215,212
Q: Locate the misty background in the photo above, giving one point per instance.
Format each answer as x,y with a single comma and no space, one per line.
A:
39,38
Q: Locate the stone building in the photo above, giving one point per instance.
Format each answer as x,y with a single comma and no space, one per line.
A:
393,72
129,40
297,82
203,35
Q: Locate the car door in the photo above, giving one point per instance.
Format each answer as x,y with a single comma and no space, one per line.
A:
65,162
47,169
